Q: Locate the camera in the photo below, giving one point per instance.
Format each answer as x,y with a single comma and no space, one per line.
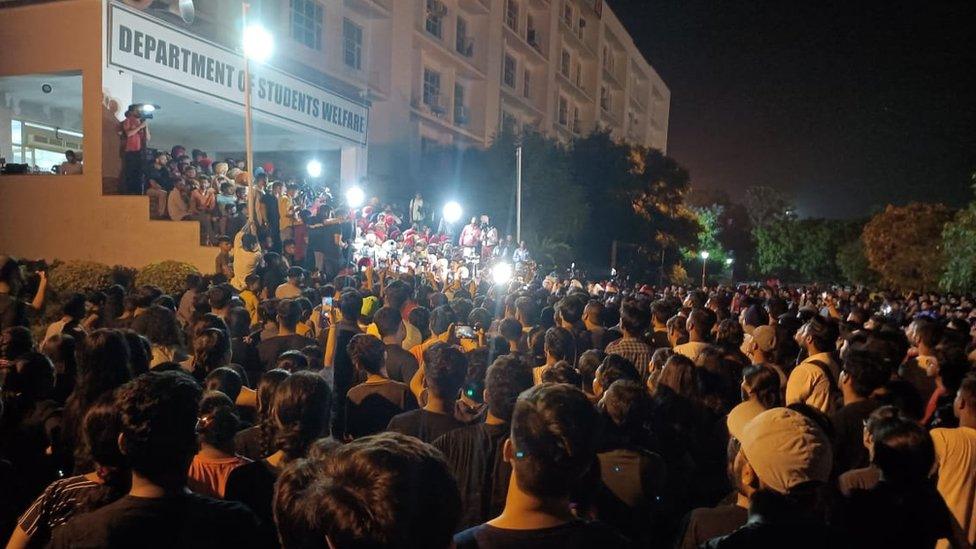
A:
144,111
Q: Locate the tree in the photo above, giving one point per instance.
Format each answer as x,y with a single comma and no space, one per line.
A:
802,249
767,206
904,245
853,264
959,243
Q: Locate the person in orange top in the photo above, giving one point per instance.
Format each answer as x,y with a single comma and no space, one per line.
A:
216,459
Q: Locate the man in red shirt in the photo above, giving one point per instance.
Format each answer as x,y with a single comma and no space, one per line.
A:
135,135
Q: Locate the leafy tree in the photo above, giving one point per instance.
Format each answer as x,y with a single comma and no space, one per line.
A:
767,206
904,245
853,264
959,243
802,249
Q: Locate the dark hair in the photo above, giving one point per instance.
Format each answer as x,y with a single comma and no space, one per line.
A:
562,372
158,416
554,432
570,309
218,421
661,311
904,452
61,349
866,371
144,296
238,322
74,306
31,378
226,380
510,329
396,295
100,445
479,317
358,495
587,365
634,319
20,341
350,304
616,367
765,384
289,313
161,327
928,331
388,321
220,296
505,380
211,350
367,353
419,318
823,332
441,319
526,307
267,385
140,352
701,321
314,357
301,412
729,335
560,343
445,367
628,406
292,361
679,376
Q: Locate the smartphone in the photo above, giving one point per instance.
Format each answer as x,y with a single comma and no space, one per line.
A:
327,302
464,332
326,311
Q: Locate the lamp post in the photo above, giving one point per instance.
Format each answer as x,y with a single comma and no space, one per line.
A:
518,193
257,44
704,256
729,263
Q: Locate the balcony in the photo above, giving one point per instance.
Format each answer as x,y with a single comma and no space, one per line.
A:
636,99
478,7
448,55
516,41
370,8
610,77
577,89
435,112
576,38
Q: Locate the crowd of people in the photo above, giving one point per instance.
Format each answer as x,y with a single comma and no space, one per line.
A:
376,407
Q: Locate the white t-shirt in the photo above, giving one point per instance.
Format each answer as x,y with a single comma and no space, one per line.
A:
692,350
955,457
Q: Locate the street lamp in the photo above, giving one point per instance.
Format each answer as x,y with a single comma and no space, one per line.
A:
728,263
355,197
258,45
314,168
452,212
704,256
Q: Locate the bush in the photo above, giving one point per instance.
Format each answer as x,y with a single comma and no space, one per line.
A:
79,276
169,275
124,276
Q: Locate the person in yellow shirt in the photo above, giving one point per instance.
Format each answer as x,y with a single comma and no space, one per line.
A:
286,212
249,295
955,456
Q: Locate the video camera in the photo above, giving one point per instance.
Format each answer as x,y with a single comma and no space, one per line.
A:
144,111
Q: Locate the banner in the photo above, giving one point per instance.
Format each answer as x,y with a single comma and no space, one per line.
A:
146,46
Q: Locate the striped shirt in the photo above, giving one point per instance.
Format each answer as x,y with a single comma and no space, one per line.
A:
54,506
634,350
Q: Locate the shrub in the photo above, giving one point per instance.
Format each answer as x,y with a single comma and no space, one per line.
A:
168,275
79,276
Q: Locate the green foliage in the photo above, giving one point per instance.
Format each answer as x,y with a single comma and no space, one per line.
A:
802,249
853,264
168,275
79,276
767,206
904,245
959,243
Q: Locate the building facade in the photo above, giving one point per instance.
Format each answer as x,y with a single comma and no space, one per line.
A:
453,72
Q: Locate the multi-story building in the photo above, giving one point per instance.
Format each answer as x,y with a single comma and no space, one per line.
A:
453,72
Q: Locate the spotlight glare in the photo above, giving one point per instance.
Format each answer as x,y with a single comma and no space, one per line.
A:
704,255
257,42
314,168
355,197
452,212
502,273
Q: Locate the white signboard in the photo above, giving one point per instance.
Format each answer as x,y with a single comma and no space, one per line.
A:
146,46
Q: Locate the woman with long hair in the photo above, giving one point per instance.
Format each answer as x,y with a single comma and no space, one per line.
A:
257,442
216,426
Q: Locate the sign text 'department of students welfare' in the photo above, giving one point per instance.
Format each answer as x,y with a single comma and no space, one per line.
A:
140,44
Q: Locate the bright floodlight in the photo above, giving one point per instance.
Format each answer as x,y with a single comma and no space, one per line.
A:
704,255
258,43
355,197
452,212
728,261
502,273
314,168
147,108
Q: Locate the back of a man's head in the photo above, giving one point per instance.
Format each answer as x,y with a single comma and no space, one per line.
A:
289,313
822,333
220,296
507,377
553,441
866,372
441,319
385,490
570,309
445,367
158,414
396,295
388,321
510,329
367,353
350,305
559,343
634,319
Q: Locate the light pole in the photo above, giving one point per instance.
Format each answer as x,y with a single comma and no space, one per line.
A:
257,44
704,256
728,263
518,193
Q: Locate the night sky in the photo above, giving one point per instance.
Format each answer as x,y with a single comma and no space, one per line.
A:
846,106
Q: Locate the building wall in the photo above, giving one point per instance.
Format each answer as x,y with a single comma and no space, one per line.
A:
67,217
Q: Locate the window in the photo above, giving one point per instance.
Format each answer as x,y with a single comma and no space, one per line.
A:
564,63
526,84
460,111
579,73
463,44
436,10
576,119
512,14
306,23
604,98
47,125
530,36
432,88
568,14
563,114
352,44
508,71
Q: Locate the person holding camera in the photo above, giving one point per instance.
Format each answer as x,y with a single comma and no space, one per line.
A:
135,136
13,310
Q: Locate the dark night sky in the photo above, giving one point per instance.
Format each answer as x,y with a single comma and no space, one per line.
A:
846,106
